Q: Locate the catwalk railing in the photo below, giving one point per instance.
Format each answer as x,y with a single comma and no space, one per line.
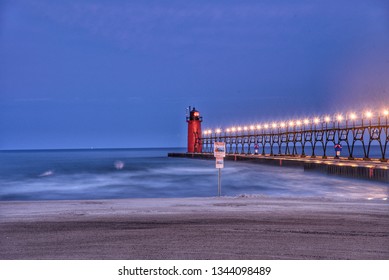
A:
307,138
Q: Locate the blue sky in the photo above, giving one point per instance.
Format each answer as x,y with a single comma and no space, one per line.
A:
76,74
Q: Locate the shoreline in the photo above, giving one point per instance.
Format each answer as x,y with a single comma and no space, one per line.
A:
195,228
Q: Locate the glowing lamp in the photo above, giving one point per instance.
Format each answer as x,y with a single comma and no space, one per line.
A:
386,112
291,123
233,129
228,130
353,116
218,130
327,119
298,123
245,128
259,126
266,126
306,121
368,114
316,120
239,128
339,117
282,124
252,127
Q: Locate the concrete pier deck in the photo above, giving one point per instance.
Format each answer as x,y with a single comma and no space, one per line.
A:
357,168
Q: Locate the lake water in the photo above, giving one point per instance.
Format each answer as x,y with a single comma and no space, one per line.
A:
149,173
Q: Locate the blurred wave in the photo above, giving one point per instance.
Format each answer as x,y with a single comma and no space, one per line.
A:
132,173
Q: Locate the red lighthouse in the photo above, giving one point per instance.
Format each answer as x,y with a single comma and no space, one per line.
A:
194,131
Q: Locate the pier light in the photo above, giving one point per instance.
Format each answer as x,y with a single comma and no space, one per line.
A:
356,121
368,114
209,131
205,132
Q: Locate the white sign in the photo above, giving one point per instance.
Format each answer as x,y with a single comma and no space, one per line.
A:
219,150
219,163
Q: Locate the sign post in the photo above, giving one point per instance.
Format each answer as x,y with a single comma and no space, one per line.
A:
219,153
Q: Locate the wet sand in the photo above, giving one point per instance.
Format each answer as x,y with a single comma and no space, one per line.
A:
195,228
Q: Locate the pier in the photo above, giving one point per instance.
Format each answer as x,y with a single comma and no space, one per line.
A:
338,144
307,137
358,168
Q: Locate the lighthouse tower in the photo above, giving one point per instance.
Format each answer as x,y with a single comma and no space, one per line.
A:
194,131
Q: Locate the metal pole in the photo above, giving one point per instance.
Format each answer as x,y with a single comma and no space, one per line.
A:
219,187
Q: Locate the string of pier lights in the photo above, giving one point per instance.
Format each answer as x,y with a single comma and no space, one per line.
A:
368,115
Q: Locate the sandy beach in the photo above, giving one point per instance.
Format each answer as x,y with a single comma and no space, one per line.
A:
195,228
